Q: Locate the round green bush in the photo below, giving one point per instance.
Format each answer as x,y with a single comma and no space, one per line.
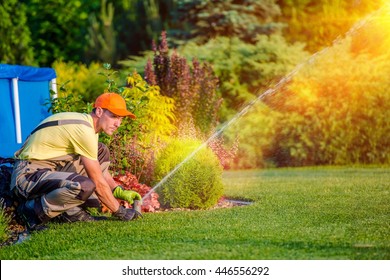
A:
196,184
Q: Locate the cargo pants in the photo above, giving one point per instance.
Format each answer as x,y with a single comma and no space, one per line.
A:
61,185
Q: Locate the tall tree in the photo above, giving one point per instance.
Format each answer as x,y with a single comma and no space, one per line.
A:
15,43
58,28
102,35
207,19
139,22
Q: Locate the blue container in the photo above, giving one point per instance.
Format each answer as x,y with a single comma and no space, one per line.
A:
23,92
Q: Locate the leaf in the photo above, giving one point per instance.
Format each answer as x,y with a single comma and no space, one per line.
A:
107,66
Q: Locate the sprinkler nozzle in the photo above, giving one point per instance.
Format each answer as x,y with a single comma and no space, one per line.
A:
137,205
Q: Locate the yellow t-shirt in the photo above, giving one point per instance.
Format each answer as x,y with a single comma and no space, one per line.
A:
64,139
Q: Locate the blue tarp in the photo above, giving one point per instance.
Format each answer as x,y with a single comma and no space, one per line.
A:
34,91
26,73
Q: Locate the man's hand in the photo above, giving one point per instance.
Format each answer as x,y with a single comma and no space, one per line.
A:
127,214
126,195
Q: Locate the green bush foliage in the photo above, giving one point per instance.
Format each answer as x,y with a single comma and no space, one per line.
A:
197,182
193,87
245,70
102,37
5,220
339,116
39,32
136,143
58,28
244,19
15,44
334,111
79,79
319,22
156,118
256,136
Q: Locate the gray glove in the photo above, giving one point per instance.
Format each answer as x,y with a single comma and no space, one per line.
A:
127,214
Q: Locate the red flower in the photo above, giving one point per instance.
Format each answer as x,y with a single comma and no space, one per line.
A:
130,182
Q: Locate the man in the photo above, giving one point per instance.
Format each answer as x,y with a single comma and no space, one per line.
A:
62,168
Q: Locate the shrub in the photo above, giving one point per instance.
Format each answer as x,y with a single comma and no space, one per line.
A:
197,182
81,80
5,220
334,110
255,132
193,87
134,144
244,69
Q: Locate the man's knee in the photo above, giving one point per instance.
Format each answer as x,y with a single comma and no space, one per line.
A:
87,187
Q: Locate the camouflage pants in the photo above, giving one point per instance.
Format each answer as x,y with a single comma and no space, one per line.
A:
61,184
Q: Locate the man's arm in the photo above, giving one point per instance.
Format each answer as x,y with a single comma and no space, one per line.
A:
110,181
119,192
103,188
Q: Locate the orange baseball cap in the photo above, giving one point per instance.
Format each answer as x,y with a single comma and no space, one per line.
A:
115,103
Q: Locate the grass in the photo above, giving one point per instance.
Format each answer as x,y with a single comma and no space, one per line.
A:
4,222
297,214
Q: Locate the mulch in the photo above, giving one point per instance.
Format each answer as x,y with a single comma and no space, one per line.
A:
15,229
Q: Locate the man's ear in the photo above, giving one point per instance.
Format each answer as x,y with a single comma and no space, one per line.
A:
99,111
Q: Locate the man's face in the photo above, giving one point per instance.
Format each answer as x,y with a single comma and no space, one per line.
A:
109,122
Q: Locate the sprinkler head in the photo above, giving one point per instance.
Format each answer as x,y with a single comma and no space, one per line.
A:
137,205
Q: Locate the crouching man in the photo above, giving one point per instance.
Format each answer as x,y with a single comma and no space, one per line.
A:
62,168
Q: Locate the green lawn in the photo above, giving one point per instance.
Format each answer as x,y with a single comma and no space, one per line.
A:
300,213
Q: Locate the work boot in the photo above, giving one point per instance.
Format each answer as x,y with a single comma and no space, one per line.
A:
27,213
80,216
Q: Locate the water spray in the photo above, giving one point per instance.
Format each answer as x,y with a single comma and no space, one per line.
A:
269,92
